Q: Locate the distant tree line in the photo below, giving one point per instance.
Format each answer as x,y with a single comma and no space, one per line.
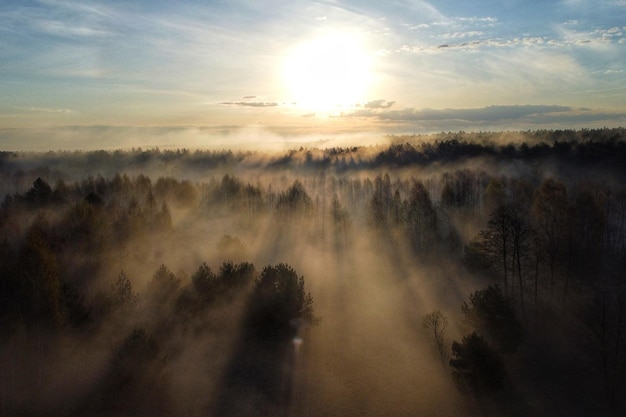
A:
571,148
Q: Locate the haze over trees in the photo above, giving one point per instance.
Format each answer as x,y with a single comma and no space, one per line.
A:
453,274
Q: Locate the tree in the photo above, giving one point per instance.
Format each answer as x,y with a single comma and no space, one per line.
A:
75,312
232,277
615,208
150,210
504,246
448,198
163,219
137,348
122,294
493,317
605,319
40,287
477,368
494,244
295,202
550,220
209,288
279,304
230,191
437,323
421,218
163,286
521,232
380,203
204,281
340,217
9,287
40,194
589,230
83,226
495,195
186,194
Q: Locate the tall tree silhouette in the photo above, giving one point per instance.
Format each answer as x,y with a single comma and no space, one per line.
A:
550,221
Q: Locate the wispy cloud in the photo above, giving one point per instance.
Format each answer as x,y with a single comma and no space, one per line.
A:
43,110
33,110
379,104
490,113
250,103
489,116
569,38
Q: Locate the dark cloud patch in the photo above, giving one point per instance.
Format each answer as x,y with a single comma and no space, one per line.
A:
490,117
582,117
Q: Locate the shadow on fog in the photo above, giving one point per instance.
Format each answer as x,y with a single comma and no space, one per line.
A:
259,379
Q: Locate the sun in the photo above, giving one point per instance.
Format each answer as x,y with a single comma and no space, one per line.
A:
327,73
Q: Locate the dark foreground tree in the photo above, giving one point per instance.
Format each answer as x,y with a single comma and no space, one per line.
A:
477,367
493,317
605,320
279,303
39,292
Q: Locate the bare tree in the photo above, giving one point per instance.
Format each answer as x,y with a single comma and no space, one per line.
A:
437,322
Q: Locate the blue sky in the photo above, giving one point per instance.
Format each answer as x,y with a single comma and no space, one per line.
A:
373,68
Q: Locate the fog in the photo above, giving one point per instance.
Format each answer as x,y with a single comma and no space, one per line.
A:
153,282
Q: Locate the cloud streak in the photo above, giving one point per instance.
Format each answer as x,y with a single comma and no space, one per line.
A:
250,103
489,116
379,104
612,35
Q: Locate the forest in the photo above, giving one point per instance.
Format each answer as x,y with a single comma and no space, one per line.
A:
453,274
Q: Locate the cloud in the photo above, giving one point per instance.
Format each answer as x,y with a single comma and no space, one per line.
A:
29,113
461,35
379,104
472,39
489,116
490,113
63,19
250,103
42,110
475,19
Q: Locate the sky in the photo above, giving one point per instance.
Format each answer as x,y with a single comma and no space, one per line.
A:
102,74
